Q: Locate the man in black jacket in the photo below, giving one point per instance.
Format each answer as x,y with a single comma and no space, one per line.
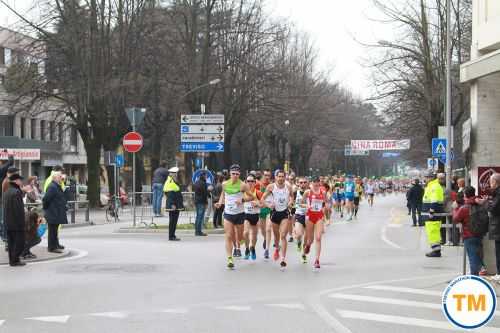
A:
54,206
13,215
494,210
415,196
200,189
3,172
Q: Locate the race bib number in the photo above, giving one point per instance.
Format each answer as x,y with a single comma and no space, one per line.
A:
316,205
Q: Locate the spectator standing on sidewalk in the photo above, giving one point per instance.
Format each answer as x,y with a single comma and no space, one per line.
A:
159,178
54,206
3,174
5,186
472,241
415,196
200,189
494,211
216,196
57,169
175,202
14,219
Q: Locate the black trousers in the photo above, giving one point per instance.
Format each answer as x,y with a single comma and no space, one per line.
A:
30,243
53,236
415,213
173,217
218,216
15,239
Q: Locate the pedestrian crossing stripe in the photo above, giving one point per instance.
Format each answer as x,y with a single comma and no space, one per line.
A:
117,315
406,290
1,322
51,319
407,321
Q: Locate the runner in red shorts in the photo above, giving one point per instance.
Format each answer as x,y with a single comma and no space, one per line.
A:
316,200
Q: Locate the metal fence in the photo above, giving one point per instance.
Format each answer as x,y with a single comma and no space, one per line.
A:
76,209
144,208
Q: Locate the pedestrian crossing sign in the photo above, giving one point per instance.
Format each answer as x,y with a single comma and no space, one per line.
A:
439,147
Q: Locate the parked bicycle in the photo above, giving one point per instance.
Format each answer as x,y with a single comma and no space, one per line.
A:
112,209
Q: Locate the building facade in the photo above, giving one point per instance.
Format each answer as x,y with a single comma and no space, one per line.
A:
39,139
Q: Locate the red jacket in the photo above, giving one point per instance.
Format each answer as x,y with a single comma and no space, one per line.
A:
462,215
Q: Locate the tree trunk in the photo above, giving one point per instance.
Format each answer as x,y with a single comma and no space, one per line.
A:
93,165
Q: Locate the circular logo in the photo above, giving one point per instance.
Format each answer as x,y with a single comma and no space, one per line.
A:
469,302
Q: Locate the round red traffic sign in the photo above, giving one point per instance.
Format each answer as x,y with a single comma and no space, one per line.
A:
132,142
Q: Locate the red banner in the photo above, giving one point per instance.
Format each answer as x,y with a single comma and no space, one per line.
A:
20,154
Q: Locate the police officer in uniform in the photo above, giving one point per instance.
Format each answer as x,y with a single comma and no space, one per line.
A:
433,203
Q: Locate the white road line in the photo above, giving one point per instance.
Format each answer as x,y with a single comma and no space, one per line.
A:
408,321
383,236
178,311
384,300
51,319
406,290
117,315
297,306
234,308
392,225
1,322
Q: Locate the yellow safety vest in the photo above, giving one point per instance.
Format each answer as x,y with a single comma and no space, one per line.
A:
171,185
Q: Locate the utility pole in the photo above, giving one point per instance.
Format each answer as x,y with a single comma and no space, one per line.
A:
448,96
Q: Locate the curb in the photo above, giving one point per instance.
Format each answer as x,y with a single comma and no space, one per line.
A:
77,225
65,254
164,231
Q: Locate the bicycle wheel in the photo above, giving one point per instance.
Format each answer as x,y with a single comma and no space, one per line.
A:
109,214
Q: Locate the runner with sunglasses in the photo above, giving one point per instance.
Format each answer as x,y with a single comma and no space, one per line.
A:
316,200
300,216
282,198
233,199
252,212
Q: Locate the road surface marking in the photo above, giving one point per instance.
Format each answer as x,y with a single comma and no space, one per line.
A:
117,315
408,321
392,301
406,290
297,306
52,319
383,236
234,308
1,322
179,311
392,225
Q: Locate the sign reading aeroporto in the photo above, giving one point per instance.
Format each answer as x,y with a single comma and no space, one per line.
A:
132,142
380,144
20,154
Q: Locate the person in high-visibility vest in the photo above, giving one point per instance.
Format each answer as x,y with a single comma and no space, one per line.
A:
175,202
433,203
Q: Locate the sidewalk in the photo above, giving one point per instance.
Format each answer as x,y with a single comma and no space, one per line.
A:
40,251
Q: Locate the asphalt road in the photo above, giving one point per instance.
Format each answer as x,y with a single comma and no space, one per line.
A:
374,278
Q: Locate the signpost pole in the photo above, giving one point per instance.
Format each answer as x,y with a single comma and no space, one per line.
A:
133,174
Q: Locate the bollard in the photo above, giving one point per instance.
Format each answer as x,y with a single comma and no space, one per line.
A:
87,213
73,212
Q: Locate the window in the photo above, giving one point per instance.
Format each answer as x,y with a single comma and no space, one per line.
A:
52,133
60,133
23,128
74,139
33,129
7,57
2,56
6,125
43,132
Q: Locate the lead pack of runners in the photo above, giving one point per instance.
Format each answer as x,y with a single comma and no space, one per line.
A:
285,209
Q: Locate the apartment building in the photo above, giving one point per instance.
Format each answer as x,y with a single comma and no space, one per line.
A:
39,139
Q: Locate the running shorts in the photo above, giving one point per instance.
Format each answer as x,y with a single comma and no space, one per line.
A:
236,219
264,212
252,218
356,201
292,211
300,219
349,197
315,217
371,194
277,217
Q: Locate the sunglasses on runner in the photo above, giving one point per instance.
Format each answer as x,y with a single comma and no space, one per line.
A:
302,182
250,181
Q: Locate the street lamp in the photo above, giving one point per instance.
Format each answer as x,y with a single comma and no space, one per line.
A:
209,83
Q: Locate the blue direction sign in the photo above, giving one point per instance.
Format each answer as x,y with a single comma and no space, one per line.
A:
198,162
438,147
207,147
119,161
198,173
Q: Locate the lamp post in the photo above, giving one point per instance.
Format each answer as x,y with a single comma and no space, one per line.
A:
448,96
287,151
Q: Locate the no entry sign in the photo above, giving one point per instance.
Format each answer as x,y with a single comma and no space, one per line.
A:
132,142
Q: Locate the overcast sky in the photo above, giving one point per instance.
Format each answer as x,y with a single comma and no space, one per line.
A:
333,25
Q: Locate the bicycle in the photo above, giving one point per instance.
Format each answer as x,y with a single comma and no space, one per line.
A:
112,209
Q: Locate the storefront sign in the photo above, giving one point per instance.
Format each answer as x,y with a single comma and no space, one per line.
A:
20,154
